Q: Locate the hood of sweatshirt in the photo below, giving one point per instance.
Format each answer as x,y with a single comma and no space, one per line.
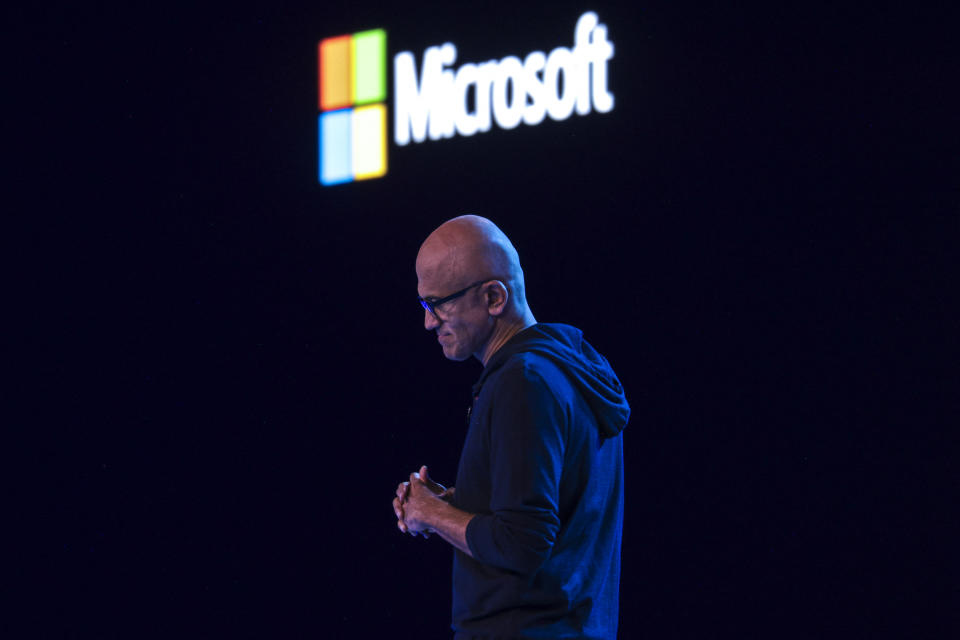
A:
589,371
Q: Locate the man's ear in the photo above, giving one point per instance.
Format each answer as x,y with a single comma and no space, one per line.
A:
496,296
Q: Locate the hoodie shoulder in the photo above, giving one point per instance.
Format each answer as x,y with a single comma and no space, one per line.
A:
589,372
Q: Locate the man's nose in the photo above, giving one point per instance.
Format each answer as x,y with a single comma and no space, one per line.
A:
430,321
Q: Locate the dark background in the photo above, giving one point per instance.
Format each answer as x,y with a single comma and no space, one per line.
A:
228,373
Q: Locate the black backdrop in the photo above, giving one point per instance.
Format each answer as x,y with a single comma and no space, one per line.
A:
230,373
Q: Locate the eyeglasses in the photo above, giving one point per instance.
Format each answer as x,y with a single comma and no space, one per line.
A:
431,304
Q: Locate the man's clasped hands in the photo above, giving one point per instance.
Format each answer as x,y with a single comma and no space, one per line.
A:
417,501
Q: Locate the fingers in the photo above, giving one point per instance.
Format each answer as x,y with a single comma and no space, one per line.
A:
430,482
435,487
403,494
398,510
422,477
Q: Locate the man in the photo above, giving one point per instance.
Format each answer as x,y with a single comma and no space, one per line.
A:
536,516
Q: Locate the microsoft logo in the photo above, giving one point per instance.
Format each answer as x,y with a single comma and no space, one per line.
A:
352,125
435,97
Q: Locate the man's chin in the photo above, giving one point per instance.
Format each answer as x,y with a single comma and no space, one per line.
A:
452,354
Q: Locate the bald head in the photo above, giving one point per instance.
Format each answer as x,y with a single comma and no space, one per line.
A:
471,248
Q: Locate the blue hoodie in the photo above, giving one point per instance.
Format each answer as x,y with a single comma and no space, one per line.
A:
542,467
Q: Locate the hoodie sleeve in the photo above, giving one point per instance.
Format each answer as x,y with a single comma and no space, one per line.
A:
526,458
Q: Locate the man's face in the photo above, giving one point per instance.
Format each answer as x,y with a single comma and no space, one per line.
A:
463,325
